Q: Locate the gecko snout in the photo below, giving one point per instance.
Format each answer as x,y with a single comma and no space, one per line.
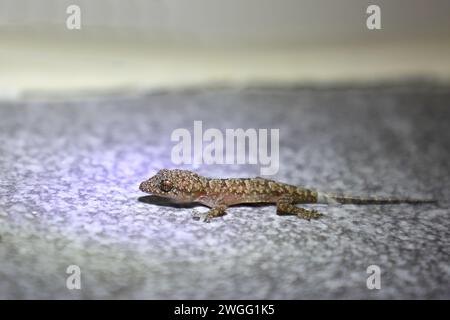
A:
143,186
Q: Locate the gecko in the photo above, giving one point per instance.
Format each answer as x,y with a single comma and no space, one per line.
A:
219,194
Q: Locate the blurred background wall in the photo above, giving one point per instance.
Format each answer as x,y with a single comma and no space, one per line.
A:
138,45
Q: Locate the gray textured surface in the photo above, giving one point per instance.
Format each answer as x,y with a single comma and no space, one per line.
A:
69,174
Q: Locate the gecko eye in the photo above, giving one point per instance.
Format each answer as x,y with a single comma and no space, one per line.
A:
165,185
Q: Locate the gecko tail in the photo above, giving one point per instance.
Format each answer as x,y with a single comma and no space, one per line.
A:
329,198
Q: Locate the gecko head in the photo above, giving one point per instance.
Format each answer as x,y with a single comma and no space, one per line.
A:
178,185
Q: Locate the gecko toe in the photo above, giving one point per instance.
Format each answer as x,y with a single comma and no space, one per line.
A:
309,215
197,215
316,215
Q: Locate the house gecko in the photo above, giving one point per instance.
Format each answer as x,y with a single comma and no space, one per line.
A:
219,194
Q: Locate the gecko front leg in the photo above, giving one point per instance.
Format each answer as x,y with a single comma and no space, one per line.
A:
214,212
285,206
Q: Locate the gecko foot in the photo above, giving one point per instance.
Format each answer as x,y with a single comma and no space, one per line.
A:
309,214
211,214
285,207
197,216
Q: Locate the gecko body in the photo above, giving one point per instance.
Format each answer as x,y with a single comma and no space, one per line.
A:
219,194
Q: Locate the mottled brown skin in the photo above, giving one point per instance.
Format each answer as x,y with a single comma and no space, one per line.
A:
219,194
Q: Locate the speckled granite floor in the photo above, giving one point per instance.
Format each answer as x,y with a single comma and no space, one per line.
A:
69,175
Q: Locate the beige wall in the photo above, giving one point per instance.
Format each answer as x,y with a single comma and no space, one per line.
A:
237,22
139,45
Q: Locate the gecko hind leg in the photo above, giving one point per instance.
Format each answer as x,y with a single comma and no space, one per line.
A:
214,212
285,206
